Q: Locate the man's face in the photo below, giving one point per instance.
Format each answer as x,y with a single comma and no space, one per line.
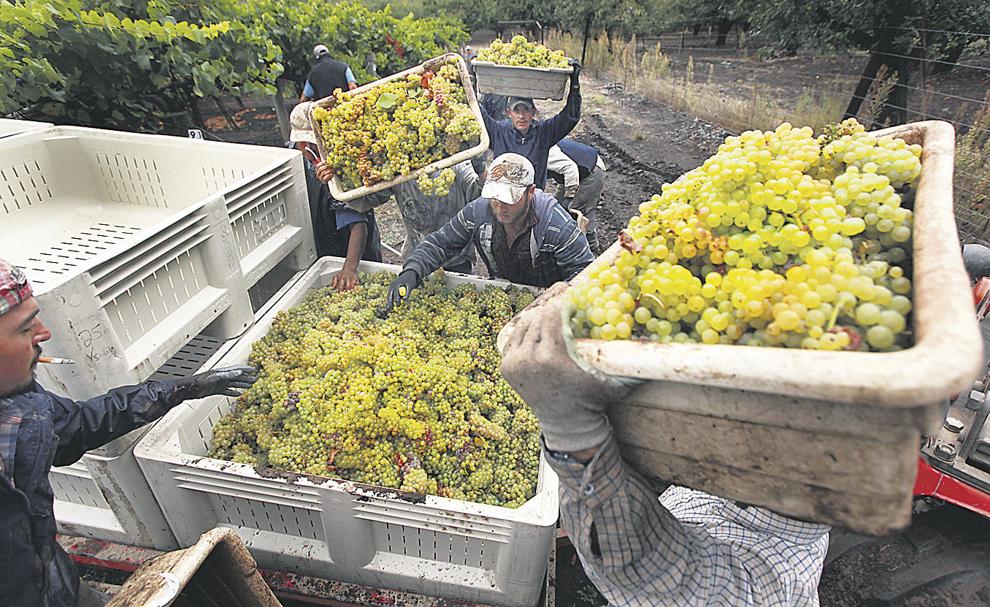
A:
521,116
510,213
21,333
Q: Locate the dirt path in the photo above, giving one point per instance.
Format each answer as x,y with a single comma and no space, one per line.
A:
644,145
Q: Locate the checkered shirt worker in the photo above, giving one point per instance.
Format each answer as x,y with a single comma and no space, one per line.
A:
39,429
687,548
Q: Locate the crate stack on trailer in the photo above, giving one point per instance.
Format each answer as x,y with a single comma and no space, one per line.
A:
136,246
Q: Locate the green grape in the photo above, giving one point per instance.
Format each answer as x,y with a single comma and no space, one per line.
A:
414,402
397,127
779,239
521,52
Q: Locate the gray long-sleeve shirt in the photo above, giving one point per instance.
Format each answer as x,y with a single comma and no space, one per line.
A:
424,214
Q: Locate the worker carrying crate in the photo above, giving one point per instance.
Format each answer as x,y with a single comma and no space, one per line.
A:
688,548
39,429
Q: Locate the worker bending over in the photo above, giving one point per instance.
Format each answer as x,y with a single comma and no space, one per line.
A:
521,233
581,170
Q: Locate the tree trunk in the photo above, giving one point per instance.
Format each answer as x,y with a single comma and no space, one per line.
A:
724,26
278,100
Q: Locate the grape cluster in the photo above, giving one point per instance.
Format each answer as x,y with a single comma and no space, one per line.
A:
414,402
522,52
397,127
779,239
439,185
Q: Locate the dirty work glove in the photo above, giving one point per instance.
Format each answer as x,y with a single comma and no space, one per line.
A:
576,66
401,288
569,398
228,381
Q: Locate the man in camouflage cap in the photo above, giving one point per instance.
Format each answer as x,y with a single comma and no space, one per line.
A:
39,429
521,233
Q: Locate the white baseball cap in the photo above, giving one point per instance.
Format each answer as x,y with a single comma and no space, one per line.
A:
508,177
302,130
319,50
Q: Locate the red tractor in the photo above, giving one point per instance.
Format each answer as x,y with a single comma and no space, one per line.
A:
943,558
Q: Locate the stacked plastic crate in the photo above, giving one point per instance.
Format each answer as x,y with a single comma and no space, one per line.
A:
136,245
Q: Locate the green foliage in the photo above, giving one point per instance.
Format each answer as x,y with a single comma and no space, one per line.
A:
99,68
133,63
352,32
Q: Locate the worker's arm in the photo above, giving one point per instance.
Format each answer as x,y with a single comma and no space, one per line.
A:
351,80
324,172
633,547
571,250
559,162
443,245
491,122
347,278
559,126
85,425
308,93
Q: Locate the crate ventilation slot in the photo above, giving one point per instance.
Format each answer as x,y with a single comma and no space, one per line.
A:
23,185
217,178
432,520
189,359
222,484
132,180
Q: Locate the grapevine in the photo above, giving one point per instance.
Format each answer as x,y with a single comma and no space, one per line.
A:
521,52
779,239
413,402
397,127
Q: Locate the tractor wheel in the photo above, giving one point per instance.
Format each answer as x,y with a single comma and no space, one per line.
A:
943,558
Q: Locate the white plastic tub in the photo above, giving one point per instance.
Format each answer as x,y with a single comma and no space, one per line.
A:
519,81
135,244
339,529
831,437
336,189
10,127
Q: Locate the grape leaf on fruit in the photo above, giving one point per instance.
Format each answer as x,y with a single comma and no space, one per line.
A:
386,101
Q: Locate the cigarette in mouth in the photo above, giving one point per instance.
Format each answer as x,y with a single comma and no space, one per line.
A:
56,361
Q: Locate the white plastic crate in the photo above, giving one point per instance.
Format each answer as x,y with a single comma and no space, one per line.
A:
10,127
105,495
137,243
339,529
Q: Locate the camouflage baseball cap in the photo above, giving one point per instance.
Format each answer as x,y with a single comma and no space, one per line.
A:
302,130
14,287
508,177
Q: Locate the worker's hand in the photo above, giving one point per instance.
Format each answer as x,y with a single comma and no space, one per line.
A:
324,172
569,400
345,280
576,66
228,381
401,288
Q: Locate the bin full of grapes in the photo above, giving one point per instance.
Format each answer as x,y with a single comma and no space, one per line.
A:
520,68
406,126
798,310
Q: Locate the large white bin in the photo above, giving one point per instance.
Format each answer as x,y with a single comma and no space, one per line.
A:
339,529
135,244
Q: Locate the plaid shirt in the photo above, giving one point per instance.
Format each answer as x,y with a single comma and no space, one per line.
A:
688,548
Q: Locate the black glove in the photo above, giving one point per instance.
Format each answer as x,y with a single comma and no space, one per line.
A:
576,66
401,288
228,381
